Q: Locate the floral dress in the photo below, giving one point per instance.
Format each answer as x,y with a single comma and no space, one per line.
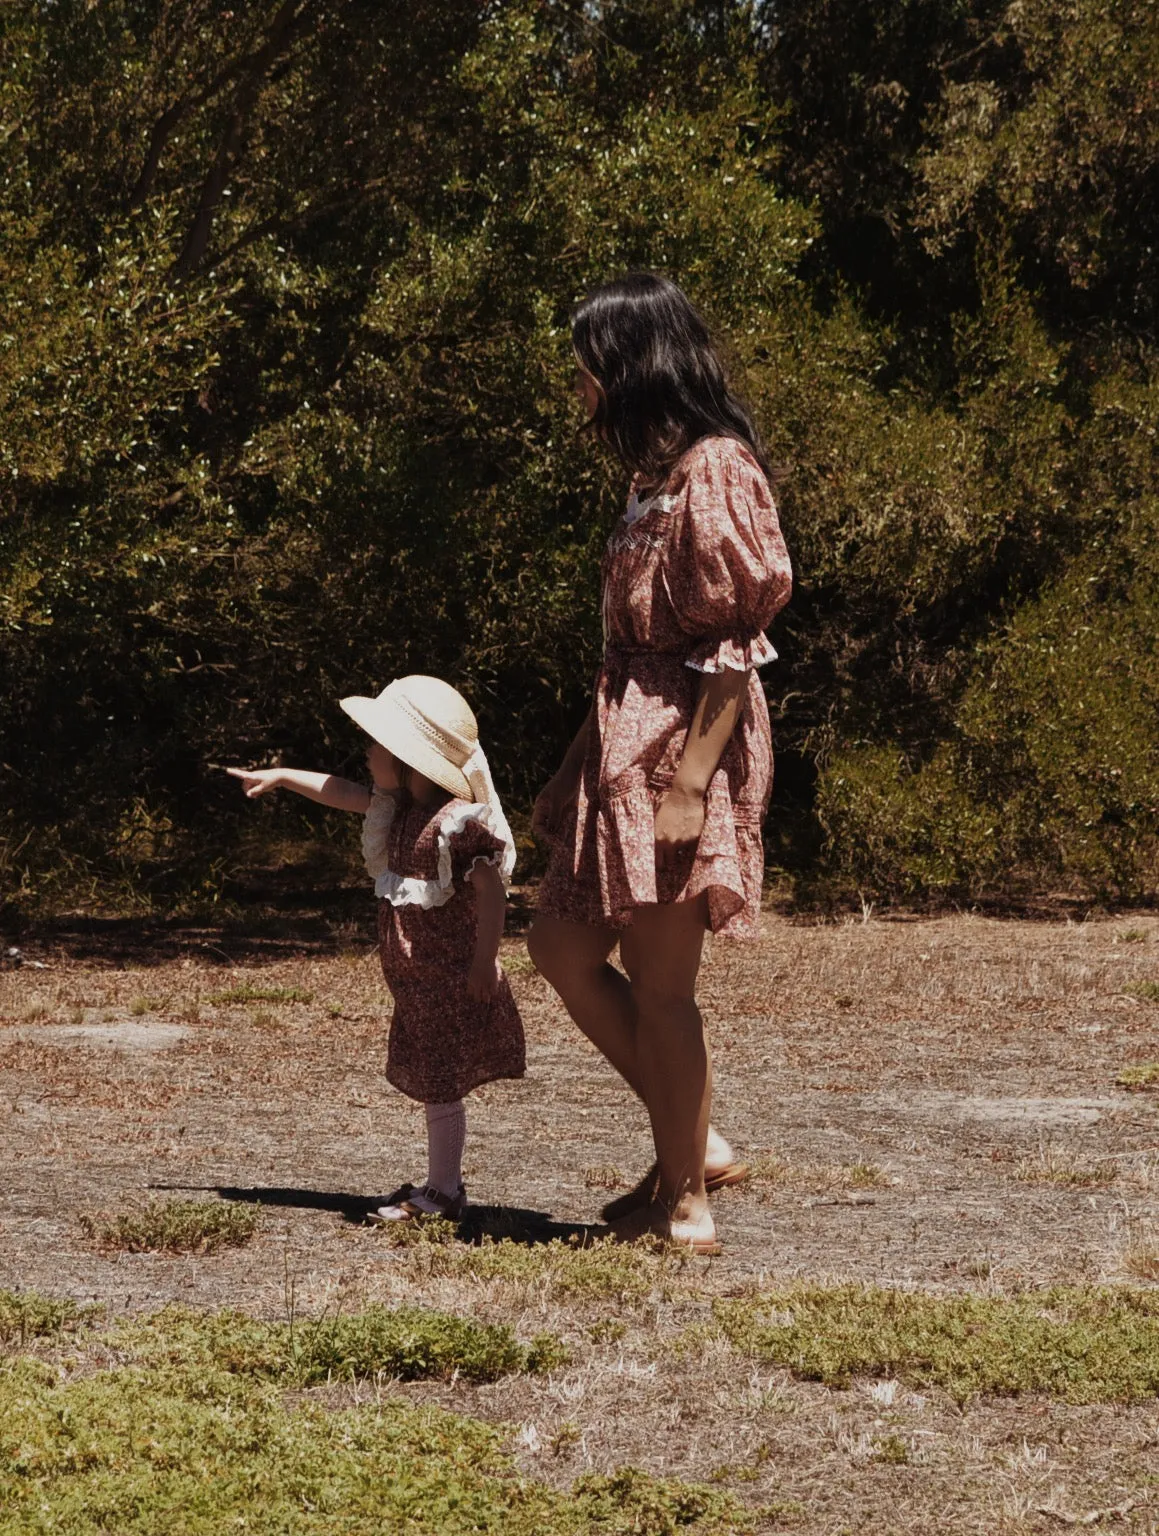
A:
442,1042
691,579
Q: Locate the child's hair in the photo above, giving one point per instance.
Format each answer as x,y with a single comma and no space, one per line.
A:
405,777
662,383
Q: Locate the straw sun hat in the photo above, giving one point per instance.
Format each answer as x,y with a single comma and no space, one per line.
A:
427,724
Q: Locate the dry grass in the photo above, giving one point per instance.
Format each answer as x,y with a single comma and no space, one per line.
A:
780,1173
894,1081
1052,1164
1142,1261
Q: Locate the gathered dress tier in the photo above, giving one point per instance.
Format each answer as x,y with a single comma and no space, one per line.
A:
692,577
442,1042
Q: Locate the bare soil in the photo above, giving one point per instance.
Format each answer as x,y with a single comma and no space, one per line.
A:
926,1102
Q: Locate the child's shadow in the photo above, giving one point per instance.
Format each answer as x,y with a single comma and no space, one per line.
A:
515,1223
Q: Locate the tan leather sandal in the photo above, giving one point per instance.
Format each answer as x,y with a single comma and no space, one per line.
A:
646,1190
652,1220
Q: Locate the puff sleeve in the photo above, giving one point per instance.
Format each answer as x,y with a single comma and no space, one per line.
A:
468,842
727,571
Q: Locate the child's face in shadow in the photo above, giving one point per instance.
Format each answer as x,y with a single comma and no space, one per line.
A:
387,773
383,767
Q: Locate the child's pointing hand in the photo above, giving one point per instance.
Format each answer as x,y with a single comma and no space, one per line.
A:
256,781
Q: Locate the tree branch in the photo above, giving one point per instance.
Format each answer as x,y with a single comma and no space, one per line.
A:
290,21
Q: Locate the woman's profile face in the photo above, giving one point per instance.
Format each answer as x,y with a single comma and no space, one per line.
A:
587,391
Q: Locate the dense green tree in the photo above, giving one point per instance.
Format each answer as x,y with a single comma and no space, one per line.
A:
285,402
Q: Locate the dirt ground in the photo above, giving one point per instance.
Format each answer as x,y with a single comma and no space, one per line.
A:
926,1103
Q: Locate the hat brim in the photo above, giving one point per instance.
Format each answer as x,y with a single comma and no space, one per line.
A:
385,723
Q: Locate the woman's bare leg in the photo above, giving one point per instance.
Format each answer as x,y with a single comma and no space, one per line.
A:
661,953
573,958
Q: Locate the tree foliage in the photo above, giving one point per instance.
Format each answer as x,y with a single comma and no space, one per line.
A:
285,391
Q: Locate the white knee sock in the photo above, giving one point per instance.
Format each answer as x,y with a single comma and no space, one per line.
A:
446,1137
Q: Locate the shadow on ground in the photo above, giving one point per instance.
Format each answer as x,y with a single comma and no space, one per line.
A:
515,1223
291,925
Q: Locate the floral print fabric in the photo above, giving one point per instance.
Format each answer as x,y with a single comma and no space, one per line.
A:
442,1042
691,579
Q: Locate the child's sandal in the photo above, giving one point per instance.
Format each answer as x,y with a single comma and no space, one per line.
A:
416,1202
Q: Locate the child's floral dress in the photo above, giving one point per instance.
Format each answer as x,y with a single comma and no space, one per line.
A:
442,1042
691,579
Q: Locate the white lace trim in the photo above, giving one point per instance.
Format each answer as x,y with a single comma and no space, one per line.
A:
638,508
410,891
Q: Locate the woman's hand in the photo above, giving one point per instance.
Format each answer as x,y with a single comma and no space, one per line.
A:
483,979
679,821
256,781
551,805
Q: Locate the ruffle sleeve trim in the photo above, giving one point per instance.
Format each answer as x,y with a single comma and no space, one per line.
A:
410,891
732,655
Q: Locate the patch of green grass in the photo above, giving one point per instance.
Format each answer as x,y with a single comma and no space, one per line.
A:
866,1176
1147,990
175,1226
601,1271
248,994
518,963
196,1431
1134,936
891,1449
408,1343
414,1345
426,1232
1140,1077
27,1315
1082,1344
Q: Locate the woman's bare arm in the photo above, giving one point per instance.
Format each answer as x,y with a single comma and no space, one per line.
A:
719,704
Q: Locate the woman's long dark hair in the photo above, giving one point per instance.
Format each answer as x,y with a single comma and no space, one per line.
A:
662,383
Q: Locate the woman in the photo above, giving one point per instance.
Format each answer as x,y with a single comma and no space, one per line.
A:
654,818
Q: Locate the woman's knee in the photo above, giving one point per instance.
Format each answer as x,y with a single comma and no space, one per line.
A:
564,953
543,948
666,1007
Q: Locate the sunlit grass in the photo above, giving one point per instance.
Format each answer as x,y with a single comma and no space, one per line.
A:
174,1226
1083,1345
1140,1077
194,1429
250,994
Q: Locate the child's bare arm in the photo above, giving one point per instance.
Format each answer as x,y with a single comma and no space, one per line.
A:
490,913
325,788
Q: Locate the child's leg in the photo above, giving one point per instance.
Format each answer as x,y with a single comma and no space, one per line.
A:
442,1194
446,1137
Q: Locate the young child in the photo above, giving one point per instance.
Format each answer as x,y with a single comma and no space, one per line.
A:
440,853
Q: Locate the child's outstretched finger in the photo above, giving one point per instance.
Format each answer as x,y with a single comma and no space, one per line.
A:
253,783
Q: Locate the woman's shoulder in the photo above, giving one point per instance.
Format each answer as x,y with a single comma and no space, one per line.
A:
712,458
